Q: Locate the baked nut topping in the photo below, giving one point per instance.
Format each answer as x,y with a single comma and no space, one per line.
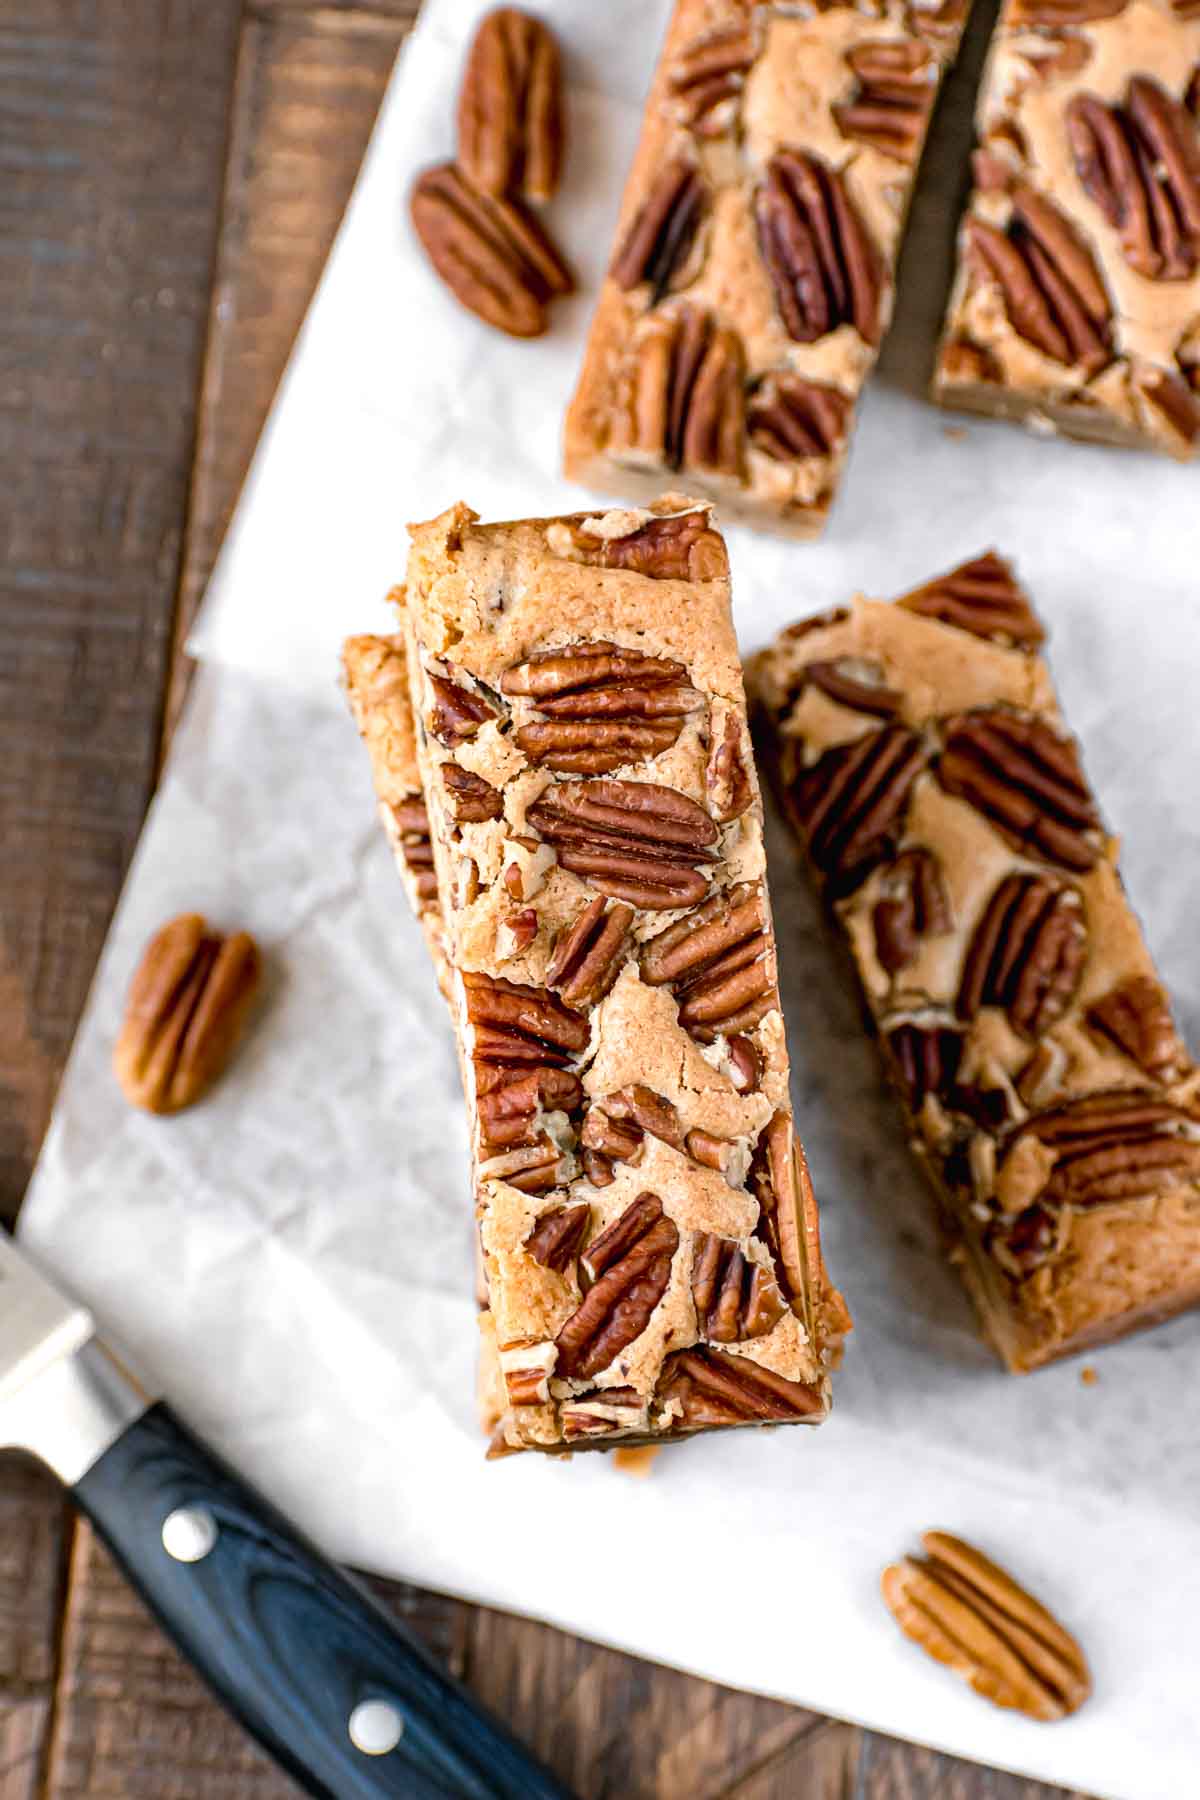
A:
968,1613
640,1193
510,123
491,253
958,845
187,1008
752,275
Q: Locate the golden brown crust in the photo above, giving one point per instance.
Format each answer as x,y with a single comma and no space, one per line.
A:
1076,304
718,346
628,1109
1019,1011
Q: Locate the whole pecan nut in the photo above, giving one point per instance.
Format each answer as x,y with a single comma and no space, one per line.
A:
630,1262
983,597
1136,1017
187,1006
896,80
1053,293
658,247
510,119
709,76
602,706
780,1182
719,962
492,254
1026,954
914,904
728,787
682,397
1026,779
790,419
851,803
967,1612
701,1388
1141,165
735,1298
824,267
634,840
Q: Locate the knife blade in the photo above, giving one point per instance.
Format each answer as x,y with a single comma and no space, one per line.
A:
339,1692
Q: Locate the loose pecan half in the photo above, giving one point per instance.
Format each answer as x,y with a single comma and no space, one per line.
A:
1026,779
471,799
823,265
727,784
719,962
982,597
897,81
924,1061
677,547
709,76
1053,293
1140,163
1136,1017
682,399
735,1298
457,712
851,803
588,954
657,247
493,255
635,840
790,419
914,904
602,706
187,1006
412,828
701,1388
630,1262
967,1612
1026,954
558,1235
855,681
1111,1147
510,126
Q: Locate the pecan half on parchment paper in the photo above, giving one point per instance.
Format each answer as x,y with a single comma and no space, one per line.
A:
967,1612
186,1010
510,113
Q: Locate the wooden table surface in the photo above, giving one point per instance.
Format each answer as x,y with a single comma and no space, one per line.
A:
173,172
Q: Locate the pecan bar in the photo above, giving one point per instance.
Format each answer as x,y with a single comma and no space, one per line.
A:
1077,301
920,756
648,1228
752,276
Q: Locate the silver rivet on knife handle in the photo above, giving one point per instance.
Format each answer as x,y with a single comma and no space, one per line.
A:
375,1727
189,1534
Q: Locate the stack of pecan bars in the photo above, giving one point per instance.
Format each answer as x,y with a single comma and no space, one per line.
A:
756,247
920,755
648,1229
1077,301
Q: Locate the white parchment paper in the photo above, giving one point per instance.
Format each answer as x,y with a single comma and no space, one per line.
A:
292,1258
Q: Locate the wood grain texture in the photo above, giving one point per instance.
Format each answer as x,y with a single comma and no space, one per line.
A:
113,122
123,113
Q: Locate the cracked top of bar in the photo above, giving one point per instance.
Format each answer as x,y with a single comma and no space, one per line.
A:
648,1228
921,757
751,279
1077,300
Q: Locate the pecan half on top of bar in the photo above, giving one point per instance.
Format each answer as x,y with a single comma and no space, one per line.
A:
1019,1016
639,1191
752,274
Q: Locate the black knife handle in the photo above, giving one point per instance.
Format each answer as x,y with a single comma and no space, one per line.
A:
291,1646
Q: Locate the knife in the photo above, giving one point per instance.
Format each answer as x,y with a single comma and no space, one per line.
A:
350,1704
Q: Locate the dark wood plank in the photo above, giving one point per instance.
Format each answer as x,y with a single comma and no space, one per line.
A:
892,1771
31,1530
113,123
